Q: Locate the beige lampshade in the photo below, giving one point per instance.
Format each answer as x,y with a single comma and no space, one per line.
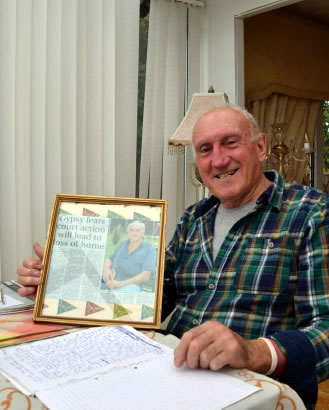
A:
200,104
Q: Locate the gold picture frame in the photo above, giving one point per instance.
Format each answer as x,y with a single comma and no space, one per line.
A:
81,284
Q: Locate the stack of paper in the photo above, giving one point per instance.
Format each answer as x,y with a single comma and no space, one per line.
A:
19,327
13,302
115,367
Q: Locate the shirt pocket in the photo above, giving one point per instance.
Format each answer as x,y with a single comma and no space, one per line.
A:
267,266
192,274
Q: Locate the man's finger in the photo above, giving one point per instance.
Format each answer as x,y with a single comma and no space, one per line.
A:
180,353
29,280
211,329
32,263
196,347
21,271
27,291
218,362
214,357
39,250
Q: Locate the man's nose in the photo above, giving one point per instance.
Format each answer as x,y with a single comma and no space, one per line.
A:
219,159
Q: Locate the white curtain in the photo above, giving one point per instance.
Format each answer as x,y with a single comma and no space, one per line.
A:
161,174
68,110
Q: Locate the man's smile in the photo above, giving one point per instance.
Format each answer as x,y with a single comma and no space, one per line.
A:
226,175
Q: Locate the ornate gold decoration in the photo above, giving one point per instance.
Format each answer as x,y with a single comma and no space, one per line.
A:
283,152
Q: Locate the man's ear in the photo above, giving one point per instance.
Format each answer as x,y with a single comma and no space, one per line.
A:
262,146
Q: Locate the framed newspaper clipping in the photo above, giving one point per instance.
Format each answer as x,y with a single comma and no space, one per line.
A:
103,262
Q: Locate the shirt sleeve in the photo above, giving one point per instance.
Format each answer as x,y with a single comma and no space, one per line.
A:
173,252
116,250
307,348
169,285
149,260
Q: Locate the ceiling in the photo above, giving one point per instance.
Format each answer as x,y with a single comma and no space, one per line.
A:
315,10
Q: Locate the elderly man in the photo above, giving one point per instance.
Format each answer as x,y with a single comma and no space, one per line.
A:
131,263
247,270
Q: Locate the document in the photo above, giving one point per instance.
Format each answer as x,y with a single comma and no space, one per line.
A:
77,258
13,302
17,328
77,261
10,302
50,363
115,367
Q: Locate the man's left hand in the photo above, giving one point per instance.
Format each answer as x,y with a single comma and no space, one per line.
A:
212,345
113,284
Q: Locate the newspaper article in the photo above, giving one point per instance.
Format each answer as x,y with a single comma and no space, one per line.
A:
76,266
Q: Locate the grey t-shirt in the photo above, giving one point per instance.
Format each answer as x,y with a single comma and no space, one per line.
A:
225,219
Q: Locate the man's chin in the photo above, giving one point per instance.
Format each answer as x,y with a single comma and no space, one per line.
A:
225,194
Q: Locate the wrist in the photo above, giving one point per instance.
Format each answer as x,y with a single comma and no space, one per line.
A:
274,357
282,361
278,365
259,357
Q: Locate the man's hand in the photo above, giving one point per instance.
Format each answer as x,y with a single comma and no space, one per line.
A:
28,274
213,346
113,284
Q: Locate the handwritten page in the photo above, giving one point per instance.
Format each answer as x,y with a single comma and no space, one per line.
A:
115,367
50,363
151,385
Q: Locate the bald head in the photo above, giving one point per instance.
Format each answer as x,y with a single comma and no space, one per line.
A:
229,151
250,124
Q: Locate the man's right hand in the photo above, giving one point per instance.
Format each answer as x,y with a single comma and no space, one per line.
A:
28,274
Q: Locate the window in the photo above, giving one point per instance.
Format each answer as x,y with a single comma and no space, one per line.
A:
143,38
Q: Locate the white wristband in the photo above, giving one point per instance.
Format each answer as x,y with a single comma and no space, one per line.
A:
274,356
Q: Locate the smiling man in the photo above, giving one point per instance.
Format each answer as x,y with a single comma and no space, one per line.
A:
247,271
229,152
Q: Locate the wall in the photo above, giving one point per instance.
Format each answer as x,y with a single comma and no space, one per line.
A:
285,54
222,44
221,58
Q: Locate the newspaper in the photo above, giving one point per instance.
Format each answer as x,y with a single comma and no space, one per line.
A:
77,262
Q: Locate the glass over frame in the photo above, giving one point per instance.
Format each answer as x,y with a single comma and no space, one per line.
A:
104,262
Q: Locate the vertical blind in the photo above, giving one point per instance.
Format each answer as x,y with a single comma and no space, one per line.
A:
68,110
166,80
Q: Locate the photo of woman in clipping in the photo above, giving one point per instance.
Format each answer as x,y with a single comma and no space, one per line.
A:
132,262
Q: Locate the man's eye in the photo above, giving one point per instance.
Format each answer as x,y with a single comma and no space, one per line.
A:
203,150
231,142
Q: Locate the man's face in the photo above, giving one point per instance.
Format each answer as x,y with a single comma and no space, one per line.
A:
135,234
228,161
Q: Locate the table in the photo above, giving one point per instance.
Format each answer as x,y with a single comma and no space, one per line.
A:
274,395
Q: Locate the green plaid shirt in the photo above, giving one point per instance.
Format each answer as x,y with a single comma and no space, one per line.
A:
271,274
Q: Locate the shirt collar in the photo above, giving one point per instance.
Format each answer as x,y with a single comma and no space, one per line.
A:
273,195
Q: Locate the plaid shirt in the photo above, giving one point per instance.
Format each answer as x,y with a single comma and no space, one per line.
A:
271,274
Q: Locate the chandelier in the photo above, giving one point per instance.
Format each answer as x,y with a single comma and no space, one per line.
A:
285,156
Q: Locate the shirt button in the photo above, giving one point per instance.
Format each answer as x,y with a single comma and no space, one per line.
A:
271,245
195,322
211,286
